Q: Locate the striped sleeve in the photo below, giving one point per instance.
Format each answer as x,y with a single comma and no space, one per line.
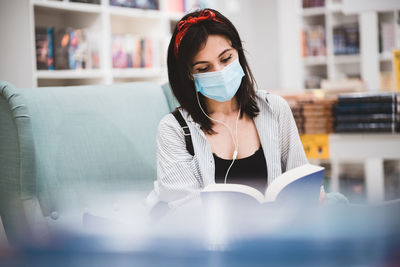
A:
178,177
292,151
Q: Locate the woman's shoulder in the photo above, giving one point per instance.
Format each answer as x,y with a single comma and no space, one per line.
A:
275,102
168,123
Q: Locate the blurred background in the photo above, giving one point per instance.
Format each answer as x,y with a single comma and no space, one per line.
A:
312,52
337,63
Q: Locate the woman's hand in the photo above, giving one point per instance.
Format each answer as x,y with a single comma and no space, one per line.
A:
322,196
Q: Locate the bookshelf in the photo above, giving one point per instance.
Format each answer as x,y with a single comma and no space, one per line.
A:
352,149
103,22
370,63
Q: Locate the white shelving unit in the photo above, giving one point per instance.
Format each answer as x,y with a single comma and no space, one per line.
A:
369,63
330,66
103,21
352,148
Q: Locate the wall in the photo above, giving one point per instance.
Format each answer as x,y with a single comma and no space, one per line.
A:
257,23
16,58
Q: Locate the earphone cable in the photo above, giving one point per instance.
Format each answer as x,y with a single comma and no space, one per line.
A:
236,143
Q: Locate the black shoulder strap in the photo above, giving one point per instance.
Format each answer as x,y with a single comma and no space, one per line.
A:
185,129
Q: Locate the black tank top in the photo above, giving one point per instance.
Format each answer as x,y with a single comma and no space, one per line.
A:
251,171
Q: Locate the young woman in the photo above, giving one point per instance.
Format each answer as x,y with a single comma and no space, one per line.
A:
239,135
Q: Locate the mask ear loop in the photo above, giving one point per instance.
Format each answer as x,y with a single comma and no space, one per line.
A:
236,143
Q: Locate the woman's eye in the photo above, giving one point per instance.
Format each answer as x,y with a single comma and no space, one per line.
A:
224,60
202,69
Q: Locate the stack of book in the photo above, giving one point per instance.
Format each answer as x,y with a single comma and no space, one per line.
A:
313,115
314,41
143,4
387,81
313,3
367,112
318,118
66,49
297,112
346,39
131,51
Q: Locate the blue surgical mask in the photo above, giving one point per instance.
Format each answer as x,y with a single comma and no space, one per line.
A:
220,85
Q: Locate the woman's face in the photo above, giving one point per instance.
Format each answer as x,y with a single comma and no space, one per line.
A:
214,56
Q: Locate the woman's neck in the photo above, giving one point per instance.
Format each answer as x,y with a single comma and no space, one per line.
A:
223,109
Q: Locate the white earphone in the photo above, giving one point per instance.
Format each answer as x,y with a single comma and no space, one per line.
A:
236,143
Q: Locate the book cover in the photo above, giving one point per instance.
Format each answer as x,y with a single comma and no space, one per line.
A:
299,185
142,53
61,45
44,48
148,53
315,41
118,52
136,51
93,50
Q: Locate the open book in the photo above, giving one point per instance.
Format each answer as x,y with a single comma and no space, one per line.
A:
298,185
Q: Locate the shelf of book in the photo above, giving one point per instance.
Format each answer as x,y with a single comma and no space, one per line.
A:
371,150
349,37
135,12
315,60
69,74
328,32
138,73
346,59
386,56
313,11
68,6
101,41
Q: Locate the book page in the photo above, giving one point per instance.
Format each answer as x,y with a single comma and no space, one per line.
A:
287,178
244,189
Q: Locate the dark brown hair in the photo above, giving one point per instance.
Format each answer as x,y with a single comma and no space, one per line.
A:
179,67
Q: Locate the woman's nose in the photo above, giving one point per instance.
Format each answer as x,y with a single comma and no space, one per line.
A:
218,67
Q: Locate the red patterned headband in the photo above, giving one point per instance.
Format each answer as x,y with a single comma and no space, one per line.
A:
184,25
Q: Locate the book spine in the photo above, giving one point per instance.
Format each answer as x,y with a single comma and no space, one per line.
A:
366,127
72,48
50,54
42,48
366,118
346,39
378,98
149,53
61,49
142,53
366,108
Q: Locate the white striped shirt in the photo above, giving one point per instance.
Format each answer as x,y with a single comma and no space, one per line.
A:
181,176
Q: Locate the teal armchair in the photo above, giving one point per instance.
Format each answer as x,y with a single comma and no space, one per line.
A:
63,147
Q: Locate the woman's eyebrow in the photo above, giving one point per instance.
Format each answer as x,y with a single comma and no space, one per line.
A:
223,52
201,62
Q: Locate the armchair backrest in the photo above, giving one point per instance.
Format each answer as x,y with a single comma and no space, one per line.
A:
61,145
